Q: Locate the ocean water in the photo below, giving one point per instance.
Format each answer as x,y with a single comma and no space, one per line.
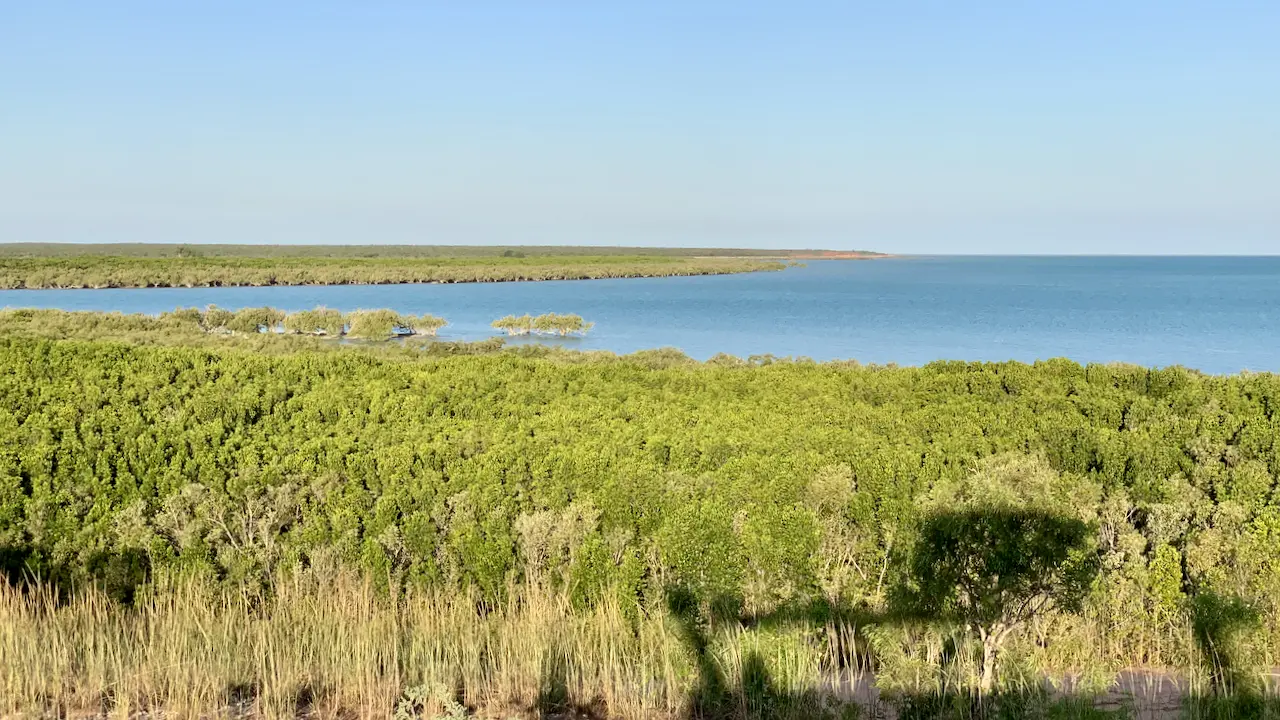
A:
1217,314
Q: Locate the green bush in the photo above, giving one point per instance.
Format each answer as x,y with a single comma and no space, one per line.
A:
252,320
376,324
320,321
215,318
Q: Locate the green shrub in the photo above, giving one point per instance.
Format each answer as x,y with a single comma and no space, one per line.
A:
252,320
375,324
320,321
215,318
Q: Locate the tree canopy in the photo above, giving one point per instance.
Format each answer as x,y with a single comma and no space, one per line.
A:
999,547
756,485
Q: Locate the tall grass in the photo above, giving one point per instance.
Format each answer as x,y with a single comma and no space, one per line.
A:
332,647
338,647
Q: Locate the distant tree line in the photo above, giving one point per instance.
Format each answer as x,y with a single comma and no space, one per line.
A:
397,252
188,267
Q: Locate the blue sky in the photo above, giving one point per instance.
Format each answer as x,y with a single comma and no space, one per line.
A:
1135,126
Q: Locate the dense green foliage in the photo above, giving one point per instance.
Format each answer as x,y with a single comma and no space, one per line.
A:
762,488
194,270
997,549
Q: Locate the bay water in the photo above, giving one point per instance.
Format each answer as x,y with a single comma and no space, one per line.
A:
1216,314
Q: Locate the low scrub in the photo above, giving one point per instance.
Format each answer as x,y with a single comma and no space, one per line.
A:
321,321
547,324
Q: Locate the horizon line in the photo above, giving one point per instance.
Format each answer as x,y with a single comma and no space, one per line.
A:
884,253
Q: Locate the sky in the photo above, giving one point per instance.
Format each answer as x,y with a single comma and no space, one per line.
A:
1116,126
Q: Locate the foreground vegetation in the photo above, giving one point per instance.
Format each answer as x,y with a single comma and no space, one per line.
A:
188,528
330,645
338,643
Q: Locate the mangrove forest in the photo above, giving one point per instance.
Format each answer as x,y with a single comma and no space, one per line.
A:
52,266
192,521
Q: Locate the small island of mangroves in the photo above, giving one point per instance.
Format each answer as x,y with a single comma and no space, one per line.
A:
321,322
46,266
234,524
318,322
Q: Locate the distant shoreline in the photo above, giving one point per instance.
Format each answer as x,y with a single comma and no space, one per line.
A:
842,255
28,266
367,252
114,272
810,255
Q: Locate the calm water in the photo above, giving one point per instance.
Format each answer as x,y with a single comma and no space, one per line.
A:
1215,314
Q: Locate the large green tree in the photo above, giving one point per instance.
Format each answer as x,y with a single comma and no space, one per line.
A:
998,548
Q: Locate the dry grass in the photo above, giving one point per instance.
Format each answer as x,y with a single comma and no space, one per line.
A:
339,648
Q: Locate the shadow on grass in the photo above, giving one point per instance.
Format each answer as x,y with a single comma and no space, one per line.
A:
990,572
1238,706
554,698
1234,693
1218,620
118,573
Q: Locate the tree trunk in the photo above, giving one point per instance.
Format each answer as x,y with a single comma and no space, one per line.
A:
987,672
